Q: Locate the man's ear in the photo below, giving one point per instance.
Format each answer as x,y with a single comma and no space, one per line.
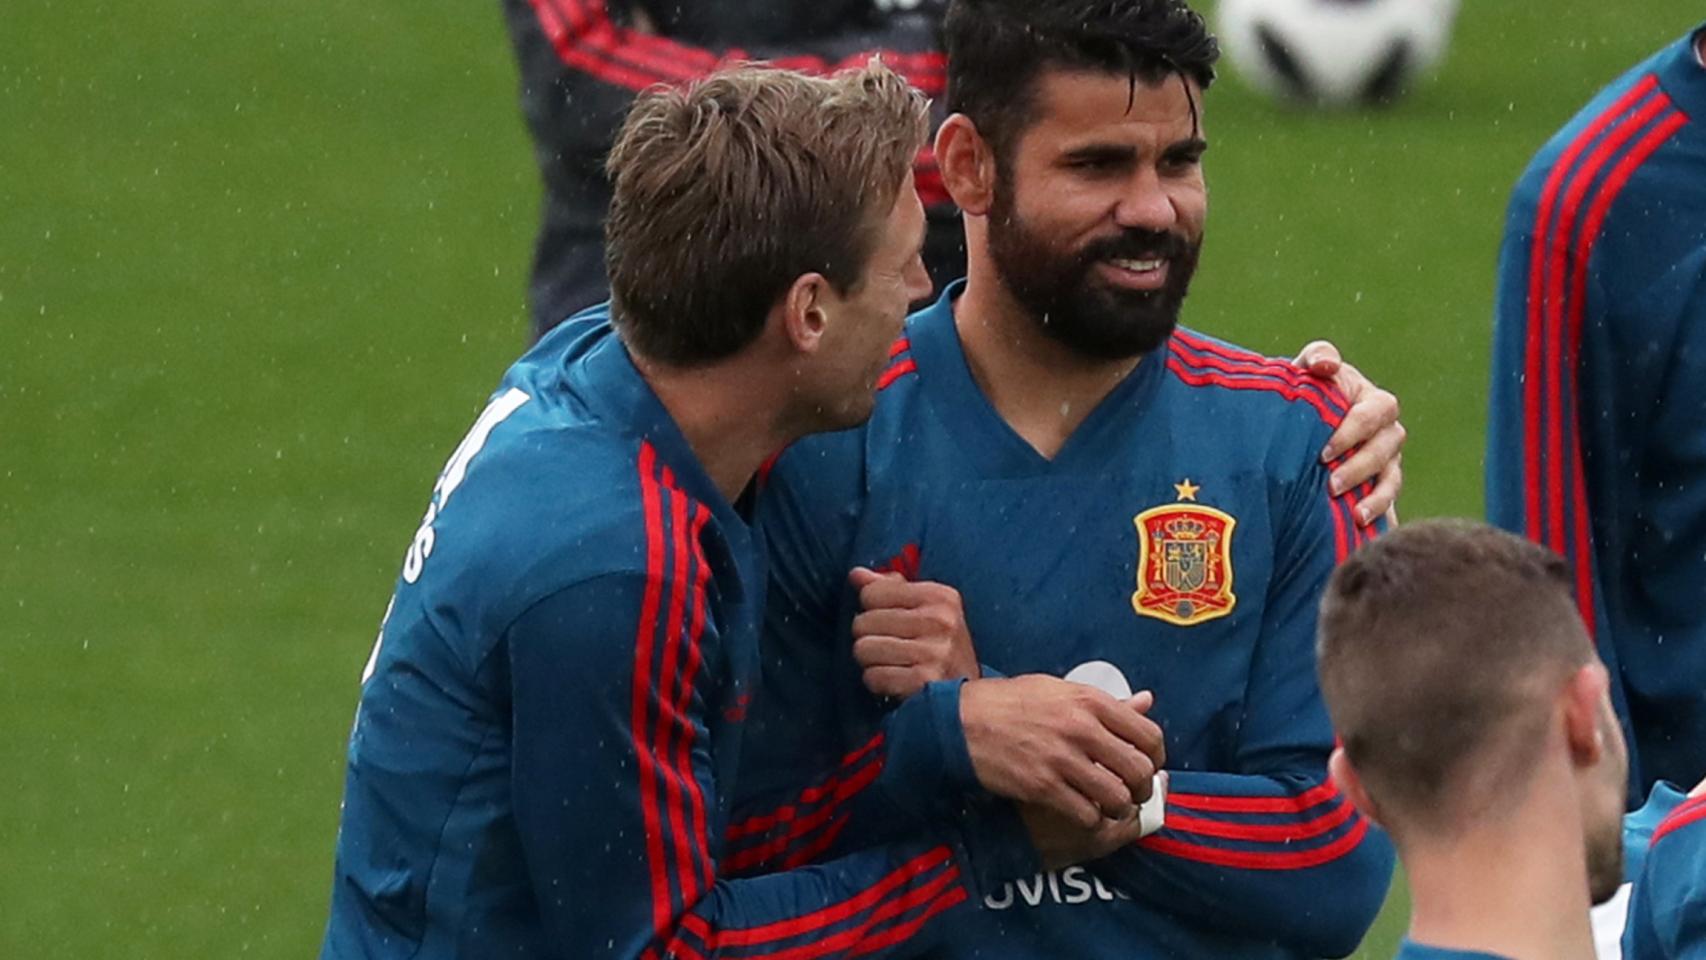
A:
1582,698
967,163
1339,766
803,316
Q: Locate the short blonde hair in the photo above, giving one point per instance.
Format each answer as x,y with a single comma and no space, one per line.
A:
728,190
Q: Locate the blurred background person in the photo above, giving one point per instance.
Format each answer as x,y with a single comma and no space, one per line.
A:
582,61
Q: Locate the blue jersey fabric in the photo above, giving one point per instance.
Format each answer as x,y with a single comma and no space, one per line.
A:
1261,856
1411,950
540,762
1667,909
1596,445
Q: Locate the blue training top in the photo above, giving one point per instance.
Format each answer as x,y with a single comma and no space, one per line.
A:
554,711
1178,542
1596,445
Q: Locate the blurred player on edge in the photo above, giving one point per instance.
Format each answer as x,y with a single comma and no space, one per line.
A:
1597,438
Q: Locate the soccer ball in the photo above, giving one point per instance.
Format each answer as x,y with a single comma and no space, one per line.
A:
1335,52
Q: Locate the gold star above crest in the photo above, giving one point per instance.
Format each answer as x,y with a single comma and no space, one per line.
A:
1187,490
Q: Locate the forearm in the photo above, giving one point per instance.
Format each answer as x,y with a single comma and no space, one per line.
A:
1275,858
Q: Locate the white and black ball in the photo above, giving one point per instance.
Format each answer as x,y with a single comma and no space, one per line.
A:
1335,52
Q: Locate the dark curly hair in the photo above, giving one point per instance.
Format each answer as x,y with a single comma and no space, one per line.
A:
997,48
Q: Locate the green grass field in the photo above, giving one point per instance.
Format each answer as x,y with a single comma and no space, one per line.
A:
261,263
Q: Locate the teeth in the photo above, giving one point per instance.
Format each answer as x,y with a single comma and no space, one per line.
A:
1138,266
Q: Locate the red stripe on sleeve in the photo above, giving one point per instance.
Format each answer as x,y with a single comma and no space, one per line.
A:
1265,832
940,888
1215,803
901,932
810,795
642,688
1556,291
1255,860
699,832
775,847
1284,369
1238,379
895,372
899,347
1692,811
670,676
837,912
1541,242
1582,555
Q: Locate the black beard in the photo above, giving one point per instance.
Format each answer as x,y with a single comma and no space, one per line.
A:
1090,317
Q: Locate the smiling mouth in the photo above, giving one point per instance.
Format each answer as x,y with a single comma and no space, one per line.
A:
1148,273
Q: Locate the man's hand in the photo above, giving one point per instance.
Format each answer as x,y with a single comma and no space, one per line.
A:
1061,745
1371,424
1061,842
909,634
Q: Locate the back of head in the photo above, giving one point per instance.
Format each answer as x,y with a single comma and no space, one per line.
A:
997,49
1442,648
728,190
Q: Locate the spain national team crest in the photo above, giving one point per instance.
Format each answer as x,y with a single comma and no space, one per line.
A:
1184,565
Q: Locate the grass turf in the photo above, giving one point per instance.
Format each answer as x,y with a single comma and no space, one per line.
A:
260,265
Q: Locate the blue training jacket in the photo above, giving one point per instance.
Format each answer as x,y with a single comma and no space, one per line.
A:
550,722
1179,542
1596,445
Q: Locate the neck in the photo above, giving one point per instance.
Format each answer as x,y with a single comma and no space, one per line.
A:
1042,389
730,424
1516,886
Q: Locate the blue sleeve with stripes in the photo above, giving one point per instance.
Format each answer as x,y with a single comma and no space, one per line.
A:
915,770
1667,910
1270,848
617,687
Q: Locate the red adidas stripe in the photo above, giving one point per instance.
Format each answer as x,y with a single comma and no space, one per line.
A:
1214,372
775,847
669,676
895,372
1556,289
1216,803
899,347
810,795
699,835
940,888
1284,369
1619,178
642,688
1540,243
837,912
1264,832
904,931
1691,812
1250,860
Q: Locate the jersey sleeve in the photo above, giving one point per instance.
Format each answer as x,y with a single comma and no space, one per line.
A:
914,771
1270,847
616,801
1535,482
1667,909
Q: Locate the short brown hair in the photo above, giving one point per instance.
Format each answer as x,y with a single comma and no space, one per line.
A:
1440,647
729,190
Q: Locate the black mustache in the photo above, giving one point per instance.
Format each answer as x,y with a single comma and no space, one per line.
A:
1136,245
